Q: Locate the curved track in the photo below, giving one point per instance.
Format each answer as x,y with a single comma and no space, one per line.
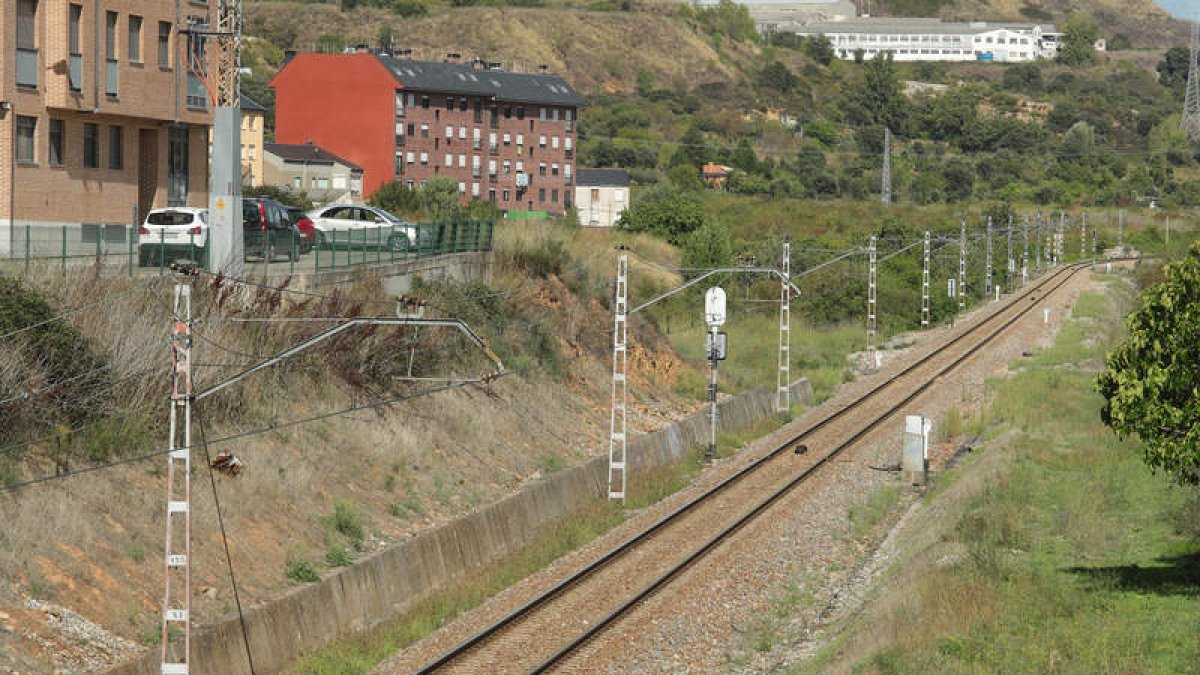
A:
547,630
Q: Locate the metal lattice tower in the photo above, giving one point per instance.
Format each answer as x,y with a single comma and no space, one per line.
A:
617,442
987,279
962,268
1011,267
872,305
1037,240
783,381
887,165
1058,238
1083,236
1025,253
177,593
925,285
1095,247
1190,121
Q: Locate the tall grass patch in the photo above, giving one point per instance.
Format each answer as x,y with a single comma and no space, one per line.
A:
1073,558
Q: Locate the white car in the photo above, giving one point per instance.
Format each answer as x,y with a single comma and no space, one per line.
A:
173,232
361,225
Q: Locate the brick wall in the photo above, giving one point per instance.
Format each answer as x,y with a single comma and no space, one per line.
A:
545,192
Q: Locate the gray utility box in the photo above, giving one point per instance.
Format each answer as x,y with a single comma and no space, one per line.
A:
914,463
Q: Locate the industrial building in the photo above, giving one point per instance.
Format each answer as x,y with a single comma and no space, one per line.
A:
937,40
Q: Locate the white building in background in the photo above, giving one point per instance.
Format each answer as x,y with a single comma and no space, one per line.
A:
601,195
937,40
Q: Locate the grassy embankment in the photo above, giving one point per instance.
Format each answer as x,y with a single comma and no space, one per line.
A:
1073,558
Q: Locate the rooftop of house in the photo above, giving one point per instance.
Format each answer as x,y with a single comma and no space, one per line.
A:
249,104
307,153
470,78
602,178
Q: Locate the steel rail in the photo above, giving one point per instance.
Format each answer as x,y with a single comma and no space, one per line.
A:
596,628
483,635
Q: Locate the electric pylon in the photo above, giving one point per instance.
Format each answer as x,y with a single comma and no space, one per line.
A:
887,165
1190,121
783,381
962,268
872,307
987,279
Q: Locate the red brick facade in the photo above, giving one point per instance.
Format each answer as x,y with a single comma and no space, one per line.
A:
91,70
514,146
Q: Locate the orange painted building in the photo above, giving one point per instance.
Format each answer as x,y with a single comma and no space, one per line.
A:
505,137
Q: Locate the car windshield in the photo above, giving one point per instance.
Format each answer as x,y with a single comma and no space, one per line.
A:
169,218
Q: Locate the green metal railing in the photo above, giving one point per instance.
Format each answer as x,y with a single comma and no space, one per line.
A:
119,249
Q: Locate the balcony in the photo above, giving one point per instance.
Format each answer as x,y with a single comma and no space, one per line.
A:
400,141
569,153
27,67
111,77
75,72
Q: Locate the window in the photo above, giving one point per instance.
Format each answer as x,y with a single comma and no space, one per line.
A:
492,195
462,188
26,133
541,194
507,167
520,166
553,169
462,104
424,101
520,112
474,189
424,158
410,157
554,196
412,100
554,114
543,114
541,168
462,133
55,151
110,36
28,64
595,194
506,194
424,131
76,15
449,103
507,139
116,150
91,146
296,183
541,141
164,44
323,183
449,132
462,161
520,140
554,142
449,160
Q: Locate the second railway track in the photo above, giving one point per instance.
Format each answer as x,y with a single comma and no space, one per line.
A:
546,630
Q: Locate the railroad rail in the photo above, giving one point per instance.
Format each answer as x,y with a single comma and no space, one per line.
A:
574,611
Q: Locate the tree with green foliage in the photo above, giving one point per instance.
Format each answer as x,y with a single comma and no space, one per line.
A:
743,156
1080,33
1024,77
1150,385
396,198
692,148
710,246
727,18
668,213
776,75
876,98
1173,70
818,48
281,194
441,200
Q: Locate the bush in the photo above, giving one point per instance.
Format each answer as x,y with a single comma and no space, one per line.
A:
347,521
338,556
298,569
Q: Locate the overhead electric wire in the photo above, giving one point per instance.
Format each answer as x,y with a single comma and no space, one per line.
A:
450,385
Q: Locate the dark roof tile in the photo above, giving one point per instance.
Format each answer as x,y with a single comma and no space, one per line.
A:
306,152
602,177
464,78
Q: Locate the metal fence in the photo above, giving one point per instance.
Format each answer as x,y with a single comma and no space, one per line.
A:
117,248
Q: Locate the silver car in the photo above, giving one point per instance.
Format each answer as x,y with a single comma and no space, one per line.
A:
362,225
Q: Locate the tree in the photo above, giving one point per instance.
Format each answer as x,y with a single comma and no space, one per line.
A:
1173,69
1150,385
1080,33
743,157
667,213
819,48
440,197
708,247
775,75
876,98
692,150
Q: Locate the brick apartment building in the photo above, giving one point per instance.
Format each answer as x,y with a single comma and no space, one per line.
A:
98,114
505,137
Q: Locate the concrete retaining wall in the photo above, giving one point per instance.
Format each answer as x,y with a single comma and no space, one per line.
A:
389,583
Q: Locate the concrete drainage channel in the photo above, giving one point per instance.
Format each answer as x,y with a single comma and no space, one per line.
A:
389,583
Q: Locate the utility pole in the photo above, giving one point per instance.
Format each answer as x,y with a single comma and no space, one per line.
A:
872,307
1025,253
1190,121
1012,264
962,268
987,279
177,593
1083,236
1037,238
226,253
1095,248
783,381
617,442
925,285
887,165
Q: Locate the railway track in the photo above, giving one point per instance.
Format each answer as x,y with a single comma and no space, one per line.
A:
546,631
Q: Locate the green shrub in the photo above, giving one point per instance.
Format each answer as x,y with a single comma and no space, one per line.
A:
338,556
299,569
348,521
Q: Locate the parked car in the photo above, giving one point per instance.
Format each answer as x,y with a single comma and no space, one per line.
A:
303,225
267,229
362,224
170,233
